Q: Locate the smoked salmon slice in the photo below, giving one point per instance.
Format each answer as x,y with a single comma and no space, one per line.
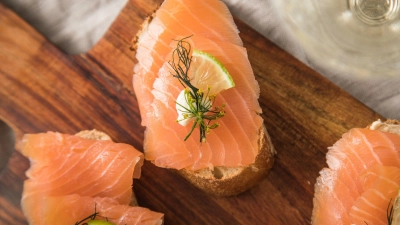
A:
380,183
64,165
235,142
242,116
362,178
59,210
207,18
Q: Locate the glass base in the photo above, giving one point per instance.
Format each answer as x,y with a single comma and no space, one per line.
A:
374,12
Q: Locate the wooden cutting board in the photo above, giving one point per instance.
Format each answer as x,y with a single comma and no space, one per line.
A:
43,88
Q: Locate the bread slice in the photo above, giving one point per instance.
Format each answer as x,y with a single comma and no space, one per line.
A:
93,135
98,135
225,181
142,29
228,181
391,126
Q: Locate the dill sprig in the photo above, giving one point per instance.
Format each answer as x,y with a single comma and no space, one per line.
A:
199,102
389,213
90,217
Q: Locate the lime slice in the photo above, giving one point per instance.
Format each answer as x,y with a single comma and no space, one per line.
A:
99,222
208,75
207,72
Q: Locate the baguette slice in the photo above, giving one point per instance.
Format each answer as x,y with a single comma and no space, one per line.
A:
229,181
391,126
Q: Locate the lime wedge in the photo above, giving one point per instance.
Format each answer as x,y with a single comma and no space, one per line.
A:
207,72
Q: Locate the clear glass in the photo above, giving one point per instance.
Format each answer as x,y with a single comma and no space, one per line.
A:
358,37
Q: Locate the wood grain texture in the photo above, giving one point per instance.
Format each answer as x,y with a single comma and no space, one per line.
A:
44,89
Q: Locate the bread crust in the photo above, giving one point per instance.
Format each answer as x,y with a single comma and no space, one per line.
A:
229,181
390,125
93,135
142,29
392,121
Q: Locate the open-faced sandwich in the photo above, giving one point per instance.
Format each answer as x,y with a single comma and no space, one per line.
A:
363,179
82,179
198,97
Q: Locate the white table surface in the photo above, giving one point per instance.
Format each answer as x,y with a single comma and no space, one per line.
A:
75,26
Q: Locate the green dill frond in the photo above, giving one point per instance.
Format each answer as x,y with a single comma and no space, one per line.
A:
200,103
90,217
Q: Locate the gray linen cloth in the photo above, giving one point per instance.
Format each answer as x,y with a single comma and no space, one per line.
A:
76,25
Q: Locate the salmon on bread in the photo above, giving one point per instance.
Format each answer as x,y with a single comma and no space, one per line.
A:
362,179
73,176
235,141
